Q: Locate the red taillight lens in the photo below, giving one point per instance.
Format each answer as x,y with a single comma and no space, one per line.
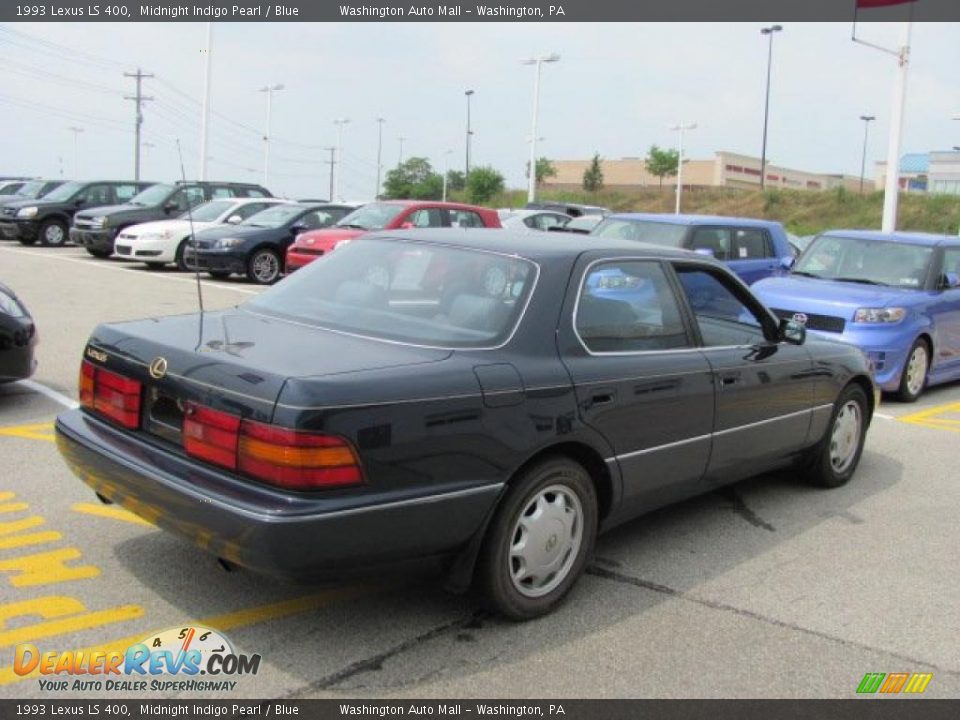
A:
296,460
110,394
211,435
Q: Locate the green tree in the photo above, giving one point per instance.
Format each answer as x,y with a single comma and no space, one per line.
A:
482,184
414,180
593,175
456,180
545,169
662,163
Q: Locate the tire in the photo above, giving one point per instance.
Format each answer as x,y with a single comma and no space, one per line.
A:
178,258
556,495
913,380
52,233
28,241
218,274
156,265
264,267
835,459
99,253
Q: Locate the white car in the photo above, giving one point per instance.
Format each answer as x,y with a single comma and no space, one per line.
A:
532,219
163,241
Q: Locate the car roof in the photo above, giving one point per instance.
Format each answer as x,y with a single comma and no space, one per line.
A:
534,245
436,203
693,219
908,238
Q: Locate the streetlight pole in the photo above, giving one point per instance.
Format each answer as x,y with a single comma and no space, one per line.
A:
401,138
538,62
446,171
867,119
76,150
891,191
679,128
469,94
269,90
205,109
339,122
769,32
380,122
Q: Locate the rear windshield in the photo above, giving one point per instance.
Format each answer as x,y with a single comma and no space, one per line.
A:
655,233
409,292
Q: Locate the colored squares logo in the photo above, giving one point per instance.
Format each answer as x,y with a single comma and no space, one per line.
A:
894,683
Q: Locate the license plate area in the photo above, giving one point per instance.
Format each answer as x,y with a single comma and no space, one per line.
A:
163,415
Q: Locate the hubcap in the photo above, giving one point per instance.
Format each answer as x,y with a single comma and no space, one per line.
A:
845,439
917,369
265,267
545,541
53,235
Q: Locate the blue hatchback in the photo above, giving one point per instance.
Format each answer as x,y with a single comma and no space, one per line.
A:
895,296
753,249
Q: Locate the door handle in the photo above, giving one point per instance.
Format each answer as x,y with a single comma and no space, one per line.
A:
600,396
726,379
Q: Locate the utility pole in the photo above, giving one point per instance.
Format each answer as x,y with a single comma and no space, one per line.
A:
679,128
139,98
468,94
401,138
339,122
891,191
76,151
867,119
205,108
380,121
269,90
331,162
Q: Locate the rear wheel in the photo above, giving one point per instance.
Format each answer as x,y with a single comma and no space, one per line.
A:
835,459
539,540
914,377
263,267
53,233
98,253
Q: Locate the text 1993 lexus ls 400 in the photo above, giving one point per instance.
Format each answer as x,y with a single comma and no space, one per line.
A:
490,398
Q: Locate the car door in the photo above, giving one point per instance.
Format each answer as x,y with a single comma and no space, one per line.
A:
639,380
752,256
945,310
764,389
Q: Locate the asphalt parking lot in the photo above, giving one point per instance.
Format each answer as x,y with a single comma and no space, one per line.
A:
766,589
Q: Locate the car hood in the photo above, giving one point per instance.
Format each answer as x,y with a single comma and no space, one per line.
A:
111,210
327,236
827,297
26,202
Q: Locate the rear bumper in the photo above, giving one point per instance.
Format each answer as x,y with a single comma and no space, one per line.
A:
296,260
94,239
267,531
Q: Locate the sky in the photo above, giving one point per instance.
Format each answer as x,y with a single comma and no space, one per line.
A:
615,91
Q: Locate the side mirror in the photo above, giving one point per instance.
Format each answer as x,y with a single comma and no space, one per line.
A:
407,226
299,227
79,202
792,332
787,262
170,206
950,281
234,220
705,251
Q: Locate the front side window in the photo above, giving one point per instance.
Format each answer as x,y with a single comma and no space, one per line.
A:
465,219
722,317
426,218
124,193
410,292
714,241
866,261
628,306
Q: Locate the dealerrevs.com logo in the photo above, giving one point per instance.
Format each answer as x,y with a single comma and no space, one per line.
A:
180,659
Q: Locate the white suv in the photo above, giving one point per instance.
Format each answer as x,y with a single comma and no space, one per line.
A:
163,241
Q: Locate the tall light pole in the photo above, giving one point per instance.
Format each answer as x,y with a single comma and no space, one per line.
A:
76,150
269,90
469,94
380,122
401,138
446,171
538,62
205,108
891,190
339,122
769,32
867,119
679,128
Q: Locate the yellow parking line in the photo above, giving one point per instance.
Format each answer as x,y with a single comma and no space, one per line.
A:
934,417
36,431
223,622
113,512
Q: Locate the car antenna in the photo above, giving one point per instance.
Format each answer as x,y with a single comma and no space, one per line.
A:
193,241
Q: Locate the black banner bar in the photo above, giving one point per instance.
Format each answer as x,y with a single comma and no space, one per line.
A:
502,11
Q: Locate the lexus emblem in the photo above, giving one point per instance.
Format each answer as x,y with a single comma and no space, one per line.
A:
158,368
800,318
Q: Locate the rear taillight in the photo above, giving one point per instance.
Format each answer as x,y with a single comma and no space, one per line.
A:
109,394
285,458
211,435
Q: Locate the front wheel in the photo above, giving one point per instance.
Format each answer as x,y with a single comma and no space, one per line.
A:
179,259
914,377
263,267
53,233
836,457
539,540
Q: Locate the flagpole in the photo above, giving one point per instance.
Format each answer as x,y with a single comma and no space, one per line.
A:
892,188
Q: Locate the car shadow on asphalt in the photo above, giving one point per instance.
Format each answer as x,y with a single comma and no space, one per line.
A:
401,632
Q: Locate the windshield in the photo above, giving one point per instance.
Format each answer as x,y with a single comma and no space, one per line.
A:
871,262
31,189
375,216
656,233
274,217
64,192
584,222
410,292
152,195
209,211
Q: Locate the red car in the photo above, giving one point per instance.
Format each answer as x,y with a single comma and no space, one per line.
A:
387,215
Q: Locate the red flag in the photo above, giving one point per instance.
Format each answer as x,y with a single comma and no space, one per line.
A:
881,3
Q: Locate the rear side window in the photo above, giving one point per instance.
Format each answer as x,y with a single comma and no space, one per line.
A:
222,192
628,306
751,244
715,240
465,219
252,192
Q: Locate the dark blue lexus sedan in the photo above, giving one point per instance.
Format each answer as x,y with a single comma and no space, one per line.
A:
896,296
480,398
